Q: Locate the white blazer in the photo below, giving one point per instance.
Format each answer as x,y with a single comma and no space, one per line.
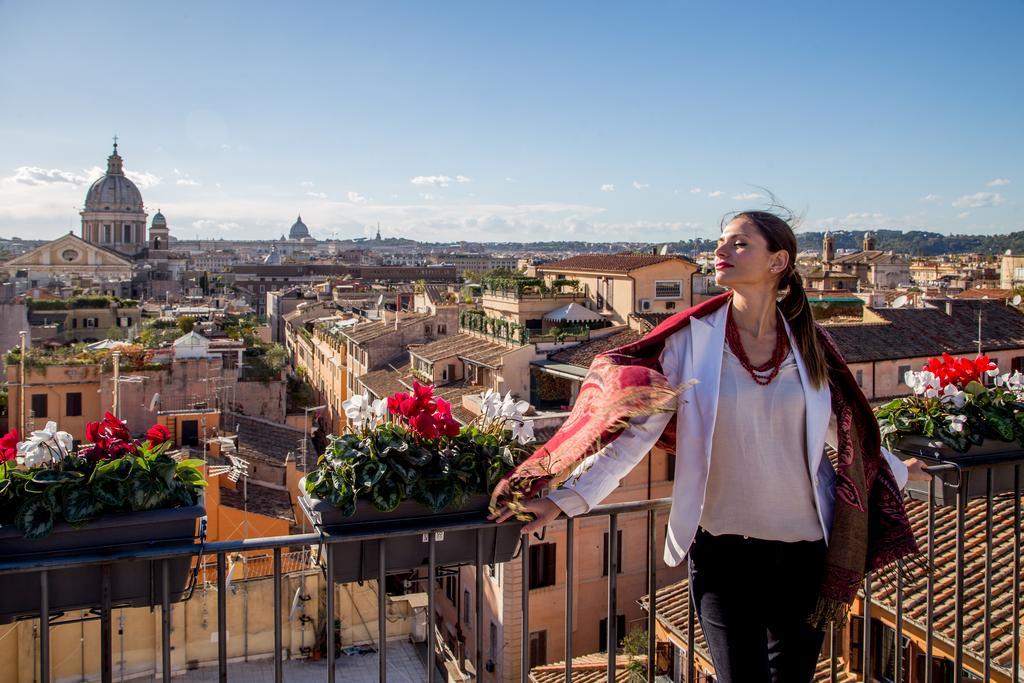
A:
695,352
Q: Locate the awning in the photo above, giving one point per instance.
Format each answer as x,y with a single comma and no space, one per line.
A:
564,370
573,313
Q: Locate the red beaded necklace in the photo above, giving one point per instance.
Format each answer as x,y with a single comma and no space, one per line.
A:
732,336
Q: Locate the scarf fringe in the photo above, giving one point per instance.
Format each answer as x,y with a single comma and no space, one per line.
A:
829,611
909,569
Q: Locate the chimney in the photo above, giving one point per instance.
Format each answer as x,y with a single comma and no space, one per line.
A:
949,308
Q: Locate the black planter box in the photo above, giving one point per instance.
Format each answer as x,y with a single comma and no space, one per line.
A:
933,451
358,560
133,583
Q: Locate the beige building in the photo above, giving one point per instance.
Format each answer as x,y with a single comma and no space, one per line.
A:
620,285
69,258
872,267
83,319
1011,271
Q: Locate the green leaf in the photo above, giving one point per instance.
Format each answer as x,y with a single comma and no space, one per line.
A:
975,388
147,494
47,476
387,495
369,474
111,492
34,518
80,504
191,462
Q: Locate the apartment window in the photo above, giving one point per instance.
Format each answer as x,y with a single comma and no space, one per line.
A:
883,653
1016,364
1018,273
856,643
73,404
860,378
542,565
449,588
442,328
620,628
538,648
465,606
74,323
618,554
670,305
670,467
668,289
39,408
901,373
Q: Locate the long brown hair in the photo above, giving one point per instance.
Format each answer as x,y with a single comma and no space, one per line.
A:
794,306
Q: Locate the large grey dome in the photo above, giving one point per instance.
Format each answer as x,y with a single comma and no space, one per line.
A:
113,192
299,230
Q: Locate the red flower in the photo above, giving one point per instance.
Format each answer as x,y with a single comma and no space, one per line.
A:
426,416
111,439
959,371
9,445
158,434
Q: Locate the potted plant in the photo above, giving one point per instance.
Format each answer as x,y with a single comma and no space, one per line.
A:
113,493
406,463
953,417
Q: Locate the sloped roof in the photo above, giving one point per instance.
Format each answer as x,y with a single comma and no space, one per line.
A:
572,312
583,354
612,263
376,329
986,293
590,668
871,257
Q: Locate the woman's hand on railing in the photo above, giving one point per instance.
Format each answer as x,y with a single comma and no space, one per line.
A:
915,470
544,512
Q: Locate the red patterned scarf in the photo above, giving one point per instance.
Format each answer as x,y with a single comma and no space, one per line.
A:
870,530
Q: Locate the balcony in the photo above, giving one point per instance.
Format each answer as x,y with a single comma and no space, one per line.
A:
964,617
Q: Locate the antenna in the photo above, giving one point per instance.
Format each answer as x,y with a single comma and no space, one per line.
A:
1015,301
900,301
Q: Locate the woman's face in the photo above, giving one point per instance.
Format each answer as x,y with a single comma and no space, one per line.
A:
742,257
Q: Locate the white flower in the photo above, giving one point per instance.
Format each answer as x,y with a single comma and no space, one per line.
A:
356,408
513,408
931,392
950,394
999,380
490,403
956,422
44,446
522,430
379,409
994,372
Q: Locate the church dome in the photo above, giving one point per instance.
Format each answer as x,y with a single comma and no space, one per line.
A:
159,221
299,230
114,191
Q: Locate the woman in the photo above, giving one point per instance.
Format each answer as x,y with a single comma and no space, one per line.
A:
754,501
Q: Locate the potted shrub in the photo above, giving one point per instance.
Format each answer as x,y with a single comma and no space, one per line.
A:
406,463
114,492
953,417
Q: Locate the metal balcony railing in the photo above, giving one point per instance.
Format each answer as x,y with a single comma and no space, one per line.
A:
975,575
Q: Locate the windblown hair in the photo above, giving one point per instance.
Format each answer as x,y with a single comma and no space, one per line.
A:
794,306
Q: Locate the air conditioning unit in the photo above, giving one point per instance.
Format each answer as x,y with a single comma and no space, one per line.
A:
645,304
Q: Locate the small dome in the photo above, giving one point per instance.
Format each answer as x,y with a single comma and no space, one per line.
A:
299,230
159,220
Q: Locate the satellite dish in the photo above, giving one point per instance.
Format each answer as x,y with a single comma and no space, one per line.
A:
1008,252
1015,300
899,302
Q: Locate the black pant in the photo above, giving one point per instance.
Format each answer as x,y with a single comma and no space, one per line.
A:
753,598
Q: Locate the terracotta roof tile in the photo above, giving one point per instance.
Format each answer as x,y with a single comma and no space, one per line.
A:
611,263
986,293
590,668
368,331
583,354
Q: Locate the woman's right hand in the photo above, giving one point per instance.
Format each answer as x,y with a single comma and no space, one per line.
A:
544,512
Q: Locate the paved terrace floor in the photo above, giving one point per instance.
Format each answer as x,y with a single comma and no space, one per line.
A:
406,664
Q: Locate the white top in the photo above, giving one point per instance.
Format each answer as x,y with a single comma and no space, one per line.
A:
758,484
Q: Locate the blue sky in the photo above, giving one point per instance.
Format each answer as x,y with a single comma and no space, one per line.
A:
525,121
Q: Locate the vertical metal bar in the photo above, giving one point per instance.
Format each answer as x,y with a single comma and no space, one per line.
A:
478,624
382,613
833,653
524,653
44,623
330,614
930,586
222,618
899,626
652,589
866,628
1016,573
165,619
106,627
961,532
431,574
570,555
613,572
691,625
988,575
278,666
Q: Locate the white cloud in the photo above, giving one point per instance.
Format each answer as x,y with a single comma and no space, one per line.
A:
435,180
427,196
963,214
33,175
184,179
608,187
716,193
144,180
317,195
998,182
978,200
306,183
932,198
640,186
356,198
747,196
695,190
463,179
509,179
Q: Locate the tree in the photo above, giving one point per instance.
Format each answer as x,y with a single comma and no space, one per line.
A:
186,324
